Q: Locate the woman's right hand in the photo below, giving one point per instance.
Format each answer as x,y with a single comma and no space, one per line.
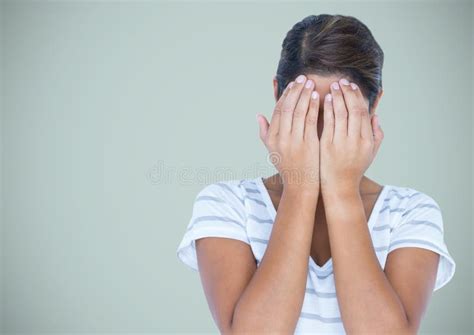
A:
292,136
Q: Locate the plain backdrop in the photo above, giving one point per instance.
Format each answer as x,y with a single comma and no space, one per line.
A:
115,114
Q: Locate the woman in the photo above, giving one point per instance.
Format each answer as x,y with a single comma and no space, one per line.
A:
319,247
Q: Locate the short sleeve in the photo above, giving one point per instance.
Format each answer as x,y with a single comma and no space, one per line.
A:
422,226
218,211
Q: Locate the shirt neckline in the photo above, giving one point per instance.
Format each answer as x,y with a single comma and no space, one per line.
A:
370,223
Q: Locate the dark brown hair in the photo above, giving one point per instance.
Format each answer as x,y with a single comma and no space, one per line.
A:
332,45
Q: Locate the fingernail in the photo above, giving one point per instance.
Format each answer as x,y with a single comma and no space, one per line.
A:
344,81
308,84
354,86
256,116
328,97
300,78
335,85
290,85
314,95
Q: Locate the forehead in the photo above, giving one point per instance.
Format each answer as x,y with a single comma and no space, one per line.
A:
323,82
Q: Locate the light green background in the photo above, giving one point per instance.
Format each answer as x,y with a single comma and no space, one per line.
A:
114,115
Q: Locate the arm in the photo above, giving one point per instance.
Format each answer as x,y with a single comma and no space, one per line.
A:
370,301
373,301
274,297
270,297
243,297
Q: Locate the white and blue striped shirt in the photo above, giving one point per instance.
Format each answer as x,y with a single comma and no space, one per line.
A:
243,210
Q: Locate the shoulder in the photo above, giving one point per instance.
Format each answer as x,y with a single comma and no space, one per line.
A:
218,211
418,222
408,197
412,204
228,190
227,195
234,188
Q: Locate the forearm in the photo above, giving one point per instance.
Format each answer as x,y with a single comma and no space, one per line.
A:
273,298
367,301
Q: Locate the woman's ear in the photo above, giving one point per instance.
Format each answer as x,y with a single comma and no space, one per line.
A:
275,88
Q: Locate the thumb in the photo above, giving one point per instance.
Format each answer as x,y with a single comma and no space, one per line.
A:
263,126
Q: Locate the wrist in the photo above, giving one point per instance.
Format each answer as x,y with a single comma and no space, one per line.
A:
346,188
307,186
302,190
340,193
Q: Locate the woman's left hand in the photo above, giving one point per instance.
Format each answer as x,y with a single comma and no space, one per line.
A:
350,139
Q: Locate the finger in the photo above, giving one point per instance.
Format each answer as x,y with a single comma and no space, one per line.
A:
356,108
328,130
301,110
377,133
289,104
340,111
366,130
275,122
263,126
311,122
365,120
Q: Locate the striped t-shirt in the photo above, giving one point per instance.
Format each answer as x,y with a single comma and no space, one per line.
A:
243,210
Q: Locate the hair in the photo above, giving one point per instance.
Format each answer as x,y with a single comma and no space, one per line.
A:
332,45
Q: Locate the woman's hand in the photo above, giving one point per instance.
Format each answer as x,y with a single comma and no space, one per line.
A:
292,137
350,138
